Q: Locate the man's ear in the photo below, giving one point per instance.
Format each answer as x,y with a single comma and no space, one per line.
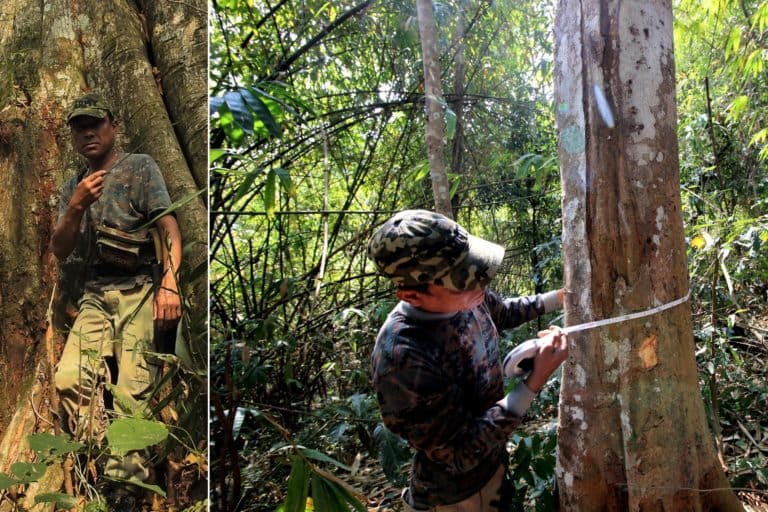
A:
412,297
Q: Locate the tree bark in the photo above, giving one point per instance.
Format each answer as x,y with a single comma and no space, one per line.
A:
434,125
178,38
633,434
457,150
52,52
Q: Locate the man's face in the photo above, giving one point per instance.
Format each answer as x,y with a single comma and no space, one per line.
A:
92,137
440,299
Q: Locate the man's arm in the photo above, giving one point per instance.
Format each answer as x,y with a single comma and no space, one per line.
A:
65,234
511,312
167,304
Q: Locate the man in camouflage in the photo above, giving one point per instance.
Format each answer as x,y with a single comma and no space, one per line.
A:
120,307
436,364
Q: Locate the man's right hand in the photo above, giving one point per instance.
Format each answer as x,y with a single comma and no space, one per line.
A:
88,191
553,350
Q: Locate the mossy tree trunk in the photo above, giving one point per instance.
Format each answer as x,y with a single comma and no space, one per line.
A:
51,52
633,435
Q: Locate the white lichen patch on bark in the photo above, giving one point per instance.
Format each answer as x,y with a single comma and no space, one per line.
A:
640,66
610,350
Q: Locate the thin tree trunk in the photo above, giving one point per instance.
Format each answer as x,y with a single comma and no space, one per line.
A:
633,435
434,107
457,153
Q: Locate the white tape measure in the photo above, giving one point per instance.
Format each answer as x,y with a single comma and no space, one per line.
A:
520,360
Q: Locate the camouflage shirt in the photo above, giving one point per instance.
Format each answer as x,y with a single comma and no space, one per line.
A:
437,379
134,192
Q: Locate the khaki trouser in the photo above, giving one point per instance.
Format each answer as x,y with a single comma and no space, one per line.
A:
114,323
484,500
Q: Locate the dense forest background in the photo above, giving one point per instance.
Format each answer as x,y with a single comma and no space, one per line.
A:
317,136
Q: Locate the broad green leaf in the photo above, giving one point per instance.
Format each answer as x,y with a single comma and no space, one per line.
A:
7,481
232,129
316,455
393,453
215,153
733,43
298,486
759,137
270,197
257,105
48,445
247,182
344,496
63,501
324,498
419,172
29,472
242,114
128,434
737,107
286,183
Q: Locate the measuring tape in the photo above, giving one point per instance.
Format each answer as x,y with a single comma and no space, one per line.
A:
520,360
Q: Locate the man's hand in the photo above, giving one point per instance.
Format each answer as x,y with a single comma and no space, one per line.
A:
553,350
166,308
88,191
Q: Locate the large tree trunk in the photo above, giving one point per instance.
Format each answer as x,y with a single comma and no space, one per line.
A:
51,52
433,92
633,434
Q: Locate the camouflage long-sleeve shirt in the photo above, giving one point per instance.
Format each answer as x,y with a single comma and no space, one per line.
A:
438,378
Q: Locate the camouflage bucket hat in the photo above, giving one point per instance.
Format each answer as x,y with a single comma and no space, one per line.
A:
91,105
418,246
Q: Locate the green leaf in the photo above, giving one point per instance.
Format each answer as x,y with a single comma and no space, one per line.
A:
286,183
239,108
454,187
393,453
128,434
257,105
298,483
247,182
344,496
48,445
450,123
269,195
7,481
316,455
737,107
175,206
324,498
419,172
215,153
61,500
734,41
29,472
232,129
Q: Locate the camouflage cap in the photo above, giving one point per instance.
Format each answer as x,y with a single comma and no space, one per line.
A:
91,104
420,247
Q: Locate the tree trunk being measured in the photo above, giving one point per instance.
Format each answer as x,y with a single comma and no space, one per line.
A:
632,434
